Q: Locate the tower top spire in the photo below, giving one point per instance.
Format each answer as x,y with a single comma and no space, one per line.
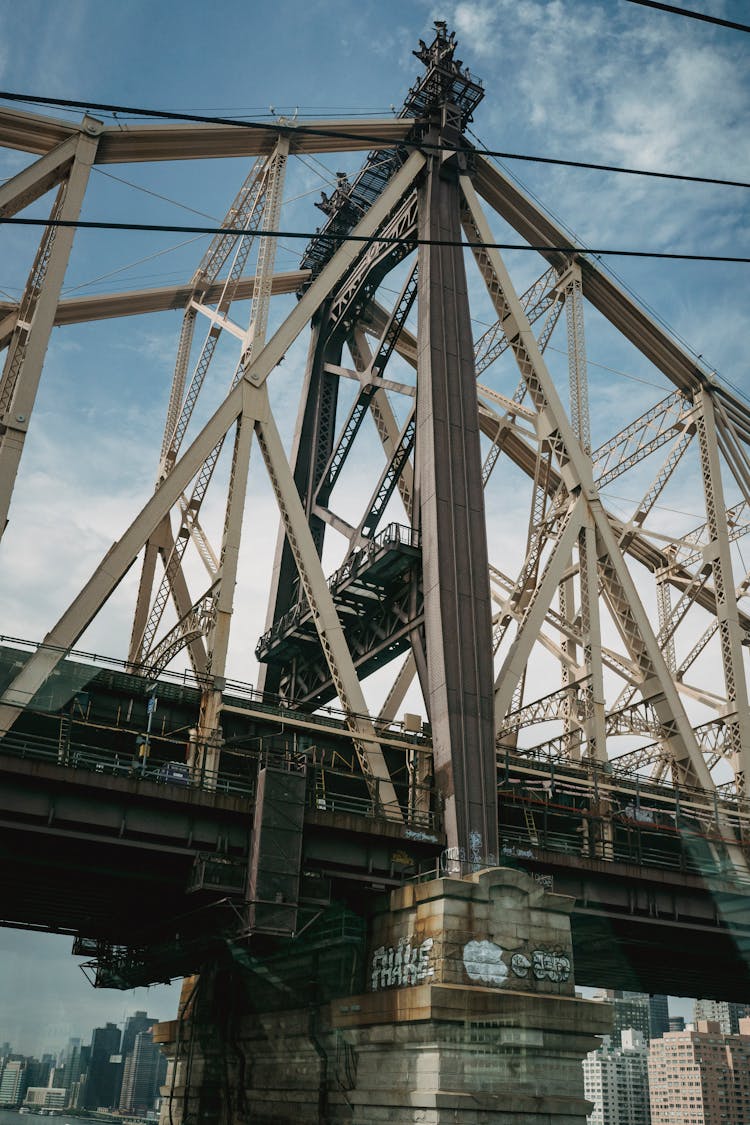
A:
446,79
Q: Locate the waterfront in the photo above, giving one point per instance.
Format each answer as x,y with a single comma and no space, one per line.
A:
63,1117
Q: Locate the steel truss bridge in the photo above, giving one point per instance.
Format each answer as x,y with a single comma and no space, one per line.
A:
584,684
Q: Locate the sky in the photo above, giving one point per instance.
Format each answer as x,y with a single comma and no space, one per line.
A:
598,80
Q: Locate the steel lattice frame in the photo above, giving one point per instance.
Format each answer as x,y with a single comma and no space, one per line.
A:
468,628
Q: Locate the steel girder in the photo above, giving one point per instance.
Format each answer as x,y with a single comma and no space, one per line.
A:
574,585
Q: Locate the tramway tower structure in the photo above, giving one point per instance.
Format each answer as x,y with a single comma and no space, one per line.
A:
602,629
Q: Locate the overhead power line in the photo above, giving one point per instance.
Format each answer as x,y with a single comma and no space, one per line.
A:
673,10
365,239
321,131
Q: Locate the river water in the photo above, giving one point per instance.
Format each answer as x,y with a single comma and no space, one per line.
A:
12,1117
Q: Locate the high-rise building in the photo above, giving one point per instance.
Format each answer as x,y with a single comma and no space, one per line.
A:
658,1016
38,1071
69,1063
629,1009
676,1023
615,1079
701,1075
12,1080
134,1024
102,1076
144,1072
724,1012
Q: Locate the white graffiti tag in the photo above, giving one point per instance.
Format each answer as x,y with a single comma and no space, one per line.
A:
404,964
544,965
550,966
483,961
520,964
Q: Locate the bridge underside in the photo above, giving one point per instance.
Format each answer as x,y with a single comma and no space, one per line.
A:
150,874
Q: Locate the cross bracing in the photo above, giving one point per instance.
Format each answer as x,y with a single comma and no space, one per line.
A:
523,602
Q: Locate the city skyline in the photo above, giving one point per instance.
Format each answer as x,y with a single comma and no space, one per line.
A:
52,1001
78,1008
118,1072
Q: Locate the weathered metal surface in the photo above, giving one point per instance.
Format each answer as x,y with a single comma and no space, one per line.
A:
448,488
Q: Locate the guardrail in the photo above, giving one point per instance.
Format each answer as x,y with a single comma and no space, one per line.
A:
77,756
86,665
96,760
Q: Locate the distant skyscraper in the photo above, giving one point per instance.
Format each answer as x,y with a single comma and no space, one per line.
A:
676,1023
102,1075
701,1075
38,1072
144,1072
615,1079
134,1024
630,1009
12,1081
658,1016
724,1012
69,1070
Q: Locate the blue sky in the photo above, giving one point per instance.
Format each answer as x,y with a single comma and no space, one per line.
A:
602,80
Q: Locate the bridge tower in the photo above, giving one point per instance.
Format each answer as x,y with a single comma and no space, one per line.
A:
592,627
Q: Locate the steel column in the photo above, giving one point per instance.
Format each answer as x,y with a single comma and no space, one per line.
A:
718,553
448,495
27,357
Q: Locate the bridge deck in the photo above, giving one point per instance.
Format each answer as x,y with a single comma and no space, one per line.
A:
135,859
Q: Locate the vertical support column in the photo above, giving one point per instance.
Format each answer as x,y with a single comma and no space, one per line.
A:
664,613
209,736
718,554
577,372
593,692
33,338
448,488
217,645
591,636
569,648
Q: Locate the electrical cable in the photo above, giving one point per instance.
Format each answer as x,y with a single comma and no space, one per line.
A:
612,370
609,269
662,507
675,11
366,239
308,130
130,265
156,194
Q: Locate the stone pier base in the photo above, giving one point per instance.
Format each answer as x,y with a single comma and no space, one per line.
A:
469,1016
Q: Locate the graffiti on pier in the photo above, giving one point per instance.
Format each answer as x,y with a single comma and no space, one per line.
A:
484,964
544,965
402,964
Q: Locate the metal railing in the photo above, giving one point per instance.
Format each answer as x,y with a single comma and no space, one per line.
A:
94,759
84,667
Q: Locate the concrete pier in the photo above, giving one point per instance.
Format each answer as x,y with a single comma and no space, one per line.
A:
467,1013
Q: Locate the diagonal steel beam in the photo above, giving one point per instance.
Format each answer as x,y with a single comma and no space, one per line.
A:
114,566
121,557
33,182
324,613
23,367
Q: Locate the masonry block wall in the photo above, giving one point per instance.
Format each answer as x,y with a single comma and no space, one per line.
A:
470,1017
